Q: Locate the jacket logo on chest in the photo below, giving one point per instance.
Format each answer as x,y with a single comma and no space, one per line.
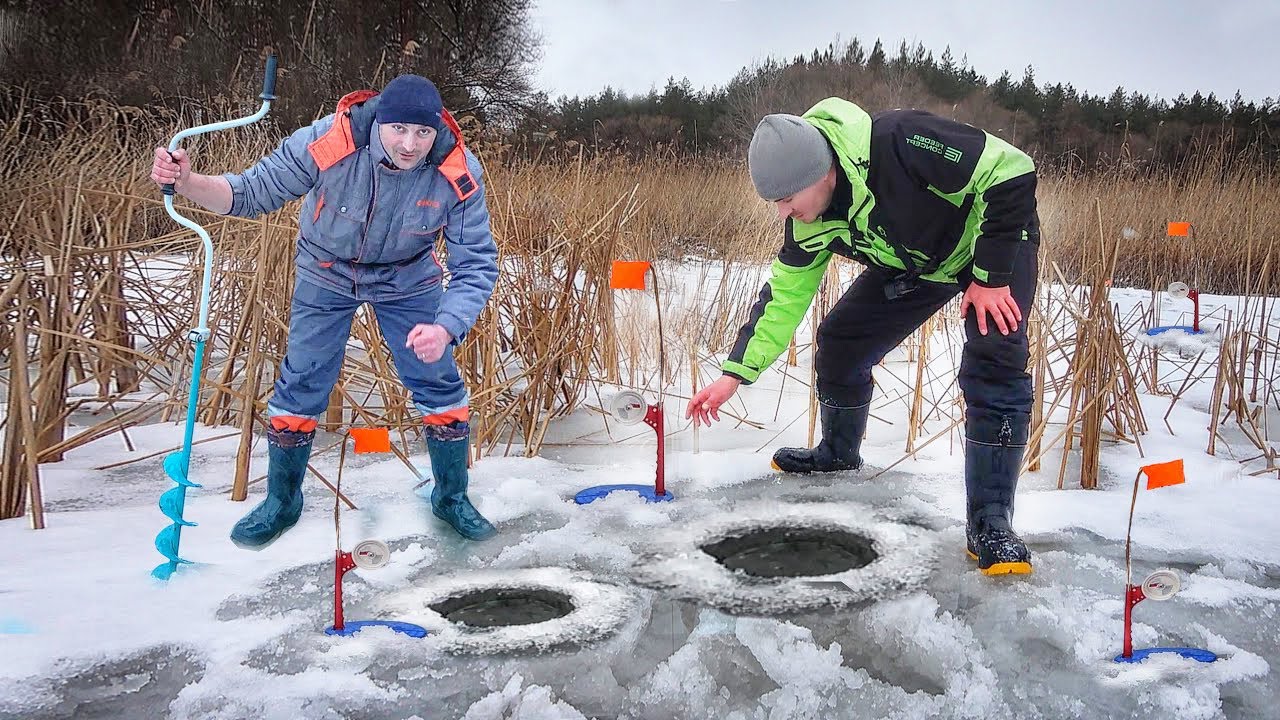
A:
428,202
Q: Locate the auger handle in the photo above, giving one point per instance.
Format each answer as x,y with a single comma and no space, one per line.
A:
267,95
269,80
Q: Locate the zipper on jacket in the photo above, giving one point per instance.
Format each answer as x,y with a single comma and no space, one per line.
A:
368,215
364,233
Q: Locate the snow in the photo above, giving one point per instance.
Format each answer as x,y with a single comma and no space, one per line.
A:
660,630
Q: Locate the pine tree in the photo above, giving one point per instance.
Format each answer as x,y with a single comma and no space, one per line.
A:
876,61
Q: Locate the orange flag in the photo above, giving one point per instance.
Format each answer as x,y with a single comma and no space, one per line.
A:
1164,474
371,440
628,274
1179,229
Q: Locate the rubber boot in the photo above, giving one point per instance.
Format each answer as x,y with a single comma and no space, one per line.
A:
447,446
993,457
287,455
842,431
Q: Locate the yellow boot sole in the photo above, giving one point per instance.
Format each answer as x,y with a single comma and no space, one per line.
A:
1009,568
774,465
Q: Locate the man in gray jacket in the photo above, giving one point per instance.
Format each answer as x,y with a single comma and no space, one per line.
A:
384,176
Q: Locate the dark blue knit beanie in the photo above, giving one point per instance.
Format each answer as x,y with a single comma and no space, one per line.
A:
410,99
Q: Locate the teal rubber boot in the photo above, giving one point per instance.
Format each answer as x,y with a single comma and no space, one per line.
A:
447,446
287,455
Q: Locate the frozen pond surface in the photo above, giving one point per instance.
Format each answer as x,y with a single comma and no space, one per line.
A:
660,629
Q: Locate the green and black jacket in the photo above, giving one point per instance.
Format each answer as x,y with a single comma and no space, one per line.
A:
911,186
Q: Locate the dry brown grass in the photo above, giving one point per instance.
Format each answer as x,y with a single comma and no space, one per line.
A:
82,221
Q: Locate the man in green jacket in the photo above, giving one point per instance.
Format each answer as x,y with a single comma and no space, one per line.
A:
933,208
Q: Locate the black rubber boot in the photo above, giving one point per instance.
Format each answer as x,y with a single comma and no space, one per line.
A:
993,457
842,431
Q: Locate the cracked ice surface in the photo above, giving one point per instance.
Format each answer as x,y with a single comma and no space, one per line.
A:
85,632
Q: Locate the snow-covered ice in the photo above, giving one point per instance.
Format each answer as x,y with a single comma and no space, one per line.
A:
86,633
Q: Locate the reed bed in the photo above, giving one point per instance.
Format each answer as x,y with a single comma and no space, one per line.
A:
98,289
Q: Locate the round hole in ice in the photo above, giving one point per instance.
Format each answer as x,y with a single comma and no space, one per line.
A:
504,606
793,551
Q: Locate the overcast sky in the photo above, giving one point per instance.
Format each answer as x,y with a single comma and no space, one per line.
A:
1158,47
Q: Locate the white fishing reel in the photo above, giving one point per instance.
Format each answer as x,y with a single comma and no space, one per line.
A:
1161,585
371,554
1178,290
628,407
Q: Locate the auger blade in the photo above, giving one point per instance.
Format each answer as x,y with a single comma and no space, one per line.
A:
172,502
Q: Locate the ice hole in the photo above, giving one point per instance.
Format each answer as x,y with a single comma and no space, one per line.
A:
792,551
500,607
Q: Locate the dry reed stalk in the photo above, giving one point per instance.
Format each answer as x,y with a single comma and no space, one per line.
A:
14,471
915,419
22,481
944,433
1040,361
134,416
813,377
248,413
1219,388
693,389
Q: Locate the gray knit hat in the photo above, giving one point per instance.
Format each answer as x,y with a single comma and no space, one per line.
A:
786,156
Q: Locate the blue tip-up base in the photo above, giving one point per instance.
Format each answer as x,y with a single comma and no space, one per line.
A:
1165,328
1204,656
592,494
351,628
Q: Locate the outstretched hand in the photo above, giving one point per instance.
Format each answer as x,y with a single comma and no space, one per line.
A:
997,302
705,405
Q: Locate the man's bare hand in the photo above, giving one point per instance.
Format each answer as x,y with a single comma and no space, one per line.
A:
169,169
705,405
997,302
428,342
